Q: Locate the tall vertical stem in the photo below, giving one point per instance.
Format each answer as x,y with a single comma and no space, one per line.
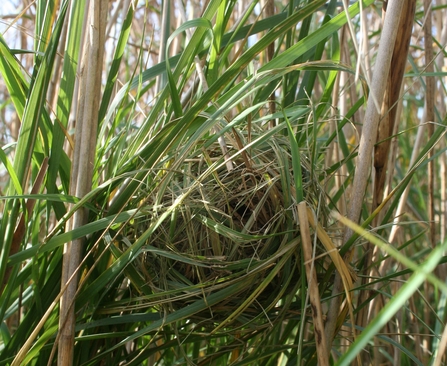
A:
430,117
83,168
367,141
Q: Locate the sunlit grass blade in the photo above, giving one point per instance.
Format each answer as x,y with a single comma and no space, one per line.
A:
421,274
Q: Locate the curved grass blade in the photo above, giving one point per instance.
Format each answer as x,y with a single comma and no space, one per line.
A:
421,274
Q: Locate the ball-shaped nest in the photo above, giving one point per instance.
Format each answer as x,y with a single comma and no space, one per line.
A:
232,239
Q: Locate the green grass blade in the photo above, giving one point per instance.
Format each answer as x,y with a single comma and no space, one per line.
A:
394,305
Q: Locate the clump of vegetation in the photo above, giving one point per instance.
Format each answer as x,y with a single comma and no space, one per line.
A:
182,182
234,225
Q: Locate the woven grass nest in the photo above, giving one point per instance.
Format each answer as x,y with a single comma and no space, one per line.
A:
231,247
